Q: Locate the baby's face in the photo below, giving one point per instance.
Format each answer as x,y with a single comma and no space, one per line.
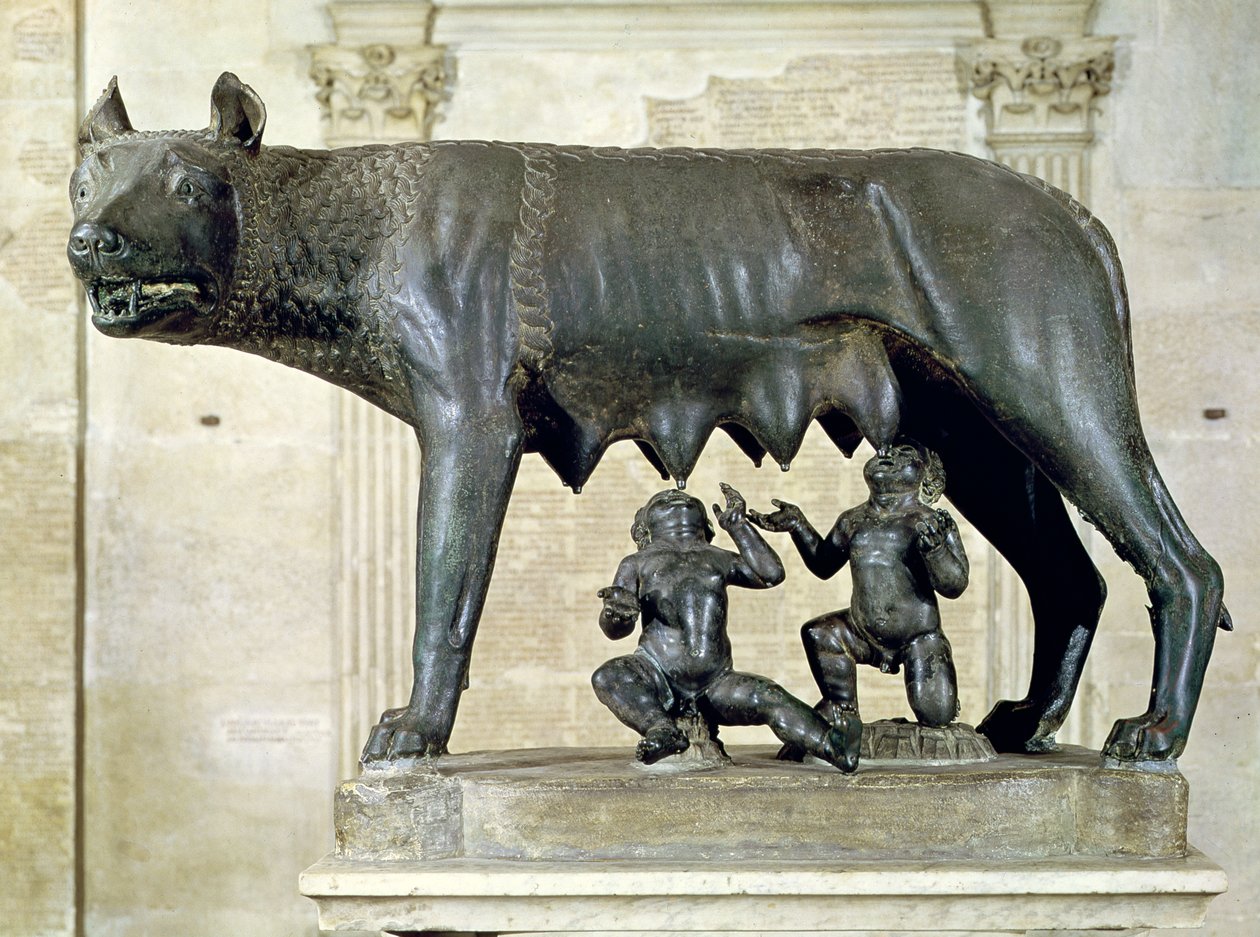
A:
894,469
675,514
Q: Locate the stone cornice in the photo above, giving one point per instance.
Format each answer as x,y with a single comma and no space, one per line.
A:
629,24
1018,18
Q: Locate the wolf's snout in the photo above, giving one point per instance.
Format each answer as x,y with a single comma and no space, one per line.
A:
90,241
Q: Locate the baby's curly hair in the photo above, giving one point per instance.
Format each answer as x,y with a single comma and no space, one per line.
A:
639,530
932,485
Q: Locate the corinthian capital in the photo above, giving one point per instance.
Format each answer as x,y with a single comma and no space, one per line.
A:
378,93
1041,85
380,81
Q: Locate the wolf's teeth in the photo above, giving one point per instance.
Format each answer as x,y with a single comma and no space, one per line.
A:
134,306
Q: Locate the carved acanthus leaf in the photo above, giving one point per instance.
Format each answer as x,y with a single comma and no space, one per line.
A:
378,93
1042,83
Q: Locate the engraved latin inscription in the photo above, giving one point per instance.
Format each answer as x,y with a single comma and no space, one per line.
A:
845,102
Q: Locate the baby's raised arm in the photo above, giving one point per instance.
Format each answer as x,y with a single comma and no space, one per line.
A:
943,555
824,557
757,566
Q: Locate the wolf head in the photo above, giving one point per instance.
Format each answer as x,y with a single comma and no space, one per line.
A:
156,216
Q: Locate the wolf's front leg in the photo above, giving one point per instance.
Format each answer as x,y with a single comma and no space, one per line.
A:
466,479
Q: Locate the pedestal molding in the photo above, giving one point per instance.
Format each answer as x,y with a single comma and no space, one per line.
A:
680,898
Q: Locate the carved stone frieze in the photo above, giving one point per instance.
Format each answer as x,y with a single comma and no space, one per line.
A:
1041,85
379,82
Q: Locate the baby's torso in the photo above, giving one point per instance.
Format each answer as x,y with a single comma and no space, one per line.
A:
893,599
683,597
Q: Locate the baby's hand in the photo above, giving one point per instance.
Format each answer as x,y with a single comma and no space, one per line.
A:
734,513
933,530
788,517
619,603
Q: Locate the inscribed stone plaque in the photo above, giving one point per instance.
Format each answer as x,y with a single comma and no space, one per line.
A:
908,98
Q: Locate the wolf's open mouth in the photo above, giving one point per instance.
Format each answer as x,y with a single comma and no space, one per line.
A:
129,303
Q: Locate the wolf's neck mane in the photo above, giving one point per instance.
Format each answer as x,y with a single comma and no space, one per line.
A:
318,260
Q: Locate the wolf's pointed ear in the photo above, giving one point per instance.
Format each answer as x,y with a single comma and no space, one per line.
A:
237,113
106,120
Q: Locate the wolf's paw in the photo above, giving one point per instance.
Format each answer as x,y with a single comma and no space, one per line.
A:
1148,737
1017,726
401,733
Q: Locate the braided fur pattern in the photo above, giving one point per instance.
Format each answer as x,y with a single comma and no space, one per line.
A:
529,290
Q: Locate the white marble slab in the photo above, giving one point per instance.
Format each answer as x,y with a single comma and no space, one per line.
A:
499,896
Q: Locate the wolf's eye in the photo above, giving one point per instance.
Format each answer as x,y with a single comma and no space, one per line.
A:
81,193
187,189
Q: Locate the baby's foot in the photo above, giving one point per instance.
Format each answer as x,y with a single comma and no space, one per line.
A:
837,713
660,742
840,746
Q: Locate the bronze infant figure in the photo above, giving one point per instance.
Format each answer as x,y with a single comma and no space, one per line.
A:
902,552
677,582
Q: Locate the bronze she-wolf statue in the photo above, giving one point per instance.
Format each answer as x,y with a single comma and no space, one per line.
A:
512,298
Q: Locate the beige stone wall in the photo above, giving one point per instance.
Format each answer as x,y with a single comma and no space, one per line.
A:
39,411
213,547
209,699
1181,194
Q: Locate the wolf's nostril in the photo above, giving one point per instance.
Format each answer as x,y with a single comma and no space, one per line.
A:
108,241
92,238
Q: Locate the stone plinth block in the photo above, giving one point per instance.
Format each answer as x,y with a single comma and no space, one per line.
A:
578,804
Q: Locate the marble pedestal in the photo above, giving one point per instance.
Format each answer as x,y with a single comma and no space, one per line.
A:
589,842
